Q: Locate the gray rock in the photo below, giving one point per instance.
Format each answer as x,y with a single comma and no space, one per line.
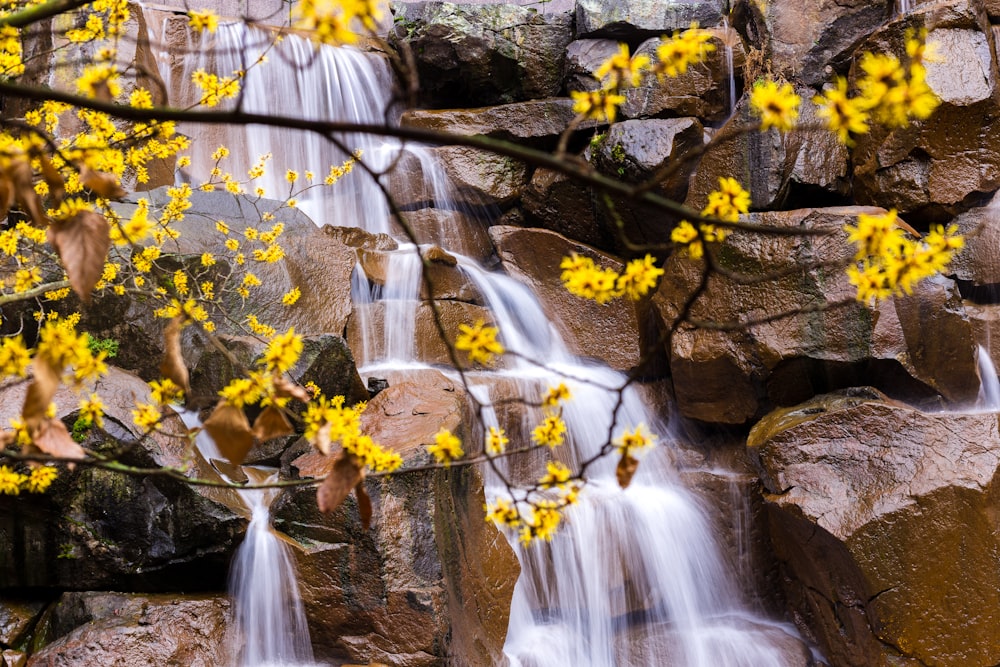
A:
628,19
472,55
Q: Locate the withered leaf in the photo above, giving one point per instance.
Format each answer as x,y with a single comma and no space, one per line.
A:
344,476
323,442
625,470
21,178
6,195
57,186
230,428
52,438
82,243
101,183
44,383
364,504
172,367
285,388
271,423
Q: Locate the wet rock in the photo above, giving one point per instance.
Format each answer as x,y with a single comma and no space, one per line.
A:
807,41
18,616
703,91
777,169
823,339
950,162
428,345
628,19
120,630
431,578
449,281
462,231
481,178
96,528
978,262
616,332
583,58
540,121
637,150
12,658
473,55
561,204
883,519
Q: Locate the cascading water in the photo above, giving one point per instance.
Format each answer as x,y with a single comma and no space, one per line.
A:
634,577
989,387
270,619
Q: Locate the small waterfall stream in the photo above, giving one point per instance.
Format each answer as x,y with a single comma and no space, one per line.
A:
634,578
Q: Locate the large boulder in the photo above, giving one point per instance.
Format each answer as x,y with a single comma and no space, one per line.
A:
775,333
944,165
122,630
884,520
779,170
806,41
535,121
629,19
98,528
619,333
430,578
473,55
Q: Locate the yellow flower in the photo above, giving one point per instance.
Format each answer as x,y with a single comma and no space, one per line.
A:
496,441
480,341
555,395
777,106
676,53
551,432
581,277
203,20
282,352
597,105
556,476
14,356
10,481
621,70
291,297
446,447
639,277
542,524
92,410
503,513
146,416
164,391
636,440
40,479
844,116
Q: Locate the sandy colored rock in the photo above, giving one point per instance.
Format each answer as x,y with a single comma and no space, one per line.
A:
628,19
121,630
615,333
883,519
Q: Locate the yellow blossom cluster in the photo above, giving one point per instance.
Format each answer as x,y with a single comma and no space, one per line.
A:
581,276
480,342
336,21
889,262
674,55
725,204
446,448
328,421
37,480
890,91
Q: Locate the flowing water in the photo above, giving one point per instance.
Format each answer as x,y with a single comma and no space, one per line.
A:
634,577
989,387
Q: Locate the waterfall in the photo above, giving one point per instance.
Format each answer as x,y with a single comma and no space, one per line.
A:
270,619
989,387
634,577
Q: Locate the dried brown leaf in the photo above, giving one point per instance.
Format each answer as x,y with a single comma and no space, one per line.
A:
364,504
54,179
21,178
172,367
44,383
230,428
6,195
625,470
344,476
271,423
82,243
101,183
53,439
323,442
285,388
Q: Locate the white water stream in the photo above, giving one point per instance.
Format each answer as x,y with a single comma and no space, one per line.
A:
635,577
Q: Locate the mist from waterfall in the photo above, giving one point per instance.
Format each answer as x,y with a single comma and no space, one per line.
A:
634,577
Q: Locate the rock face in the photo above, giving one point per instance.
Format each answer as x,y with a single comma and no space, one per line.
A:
615,333
884,520
122,630
471,55
97,528
730,372
624,19
430,579
928,168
